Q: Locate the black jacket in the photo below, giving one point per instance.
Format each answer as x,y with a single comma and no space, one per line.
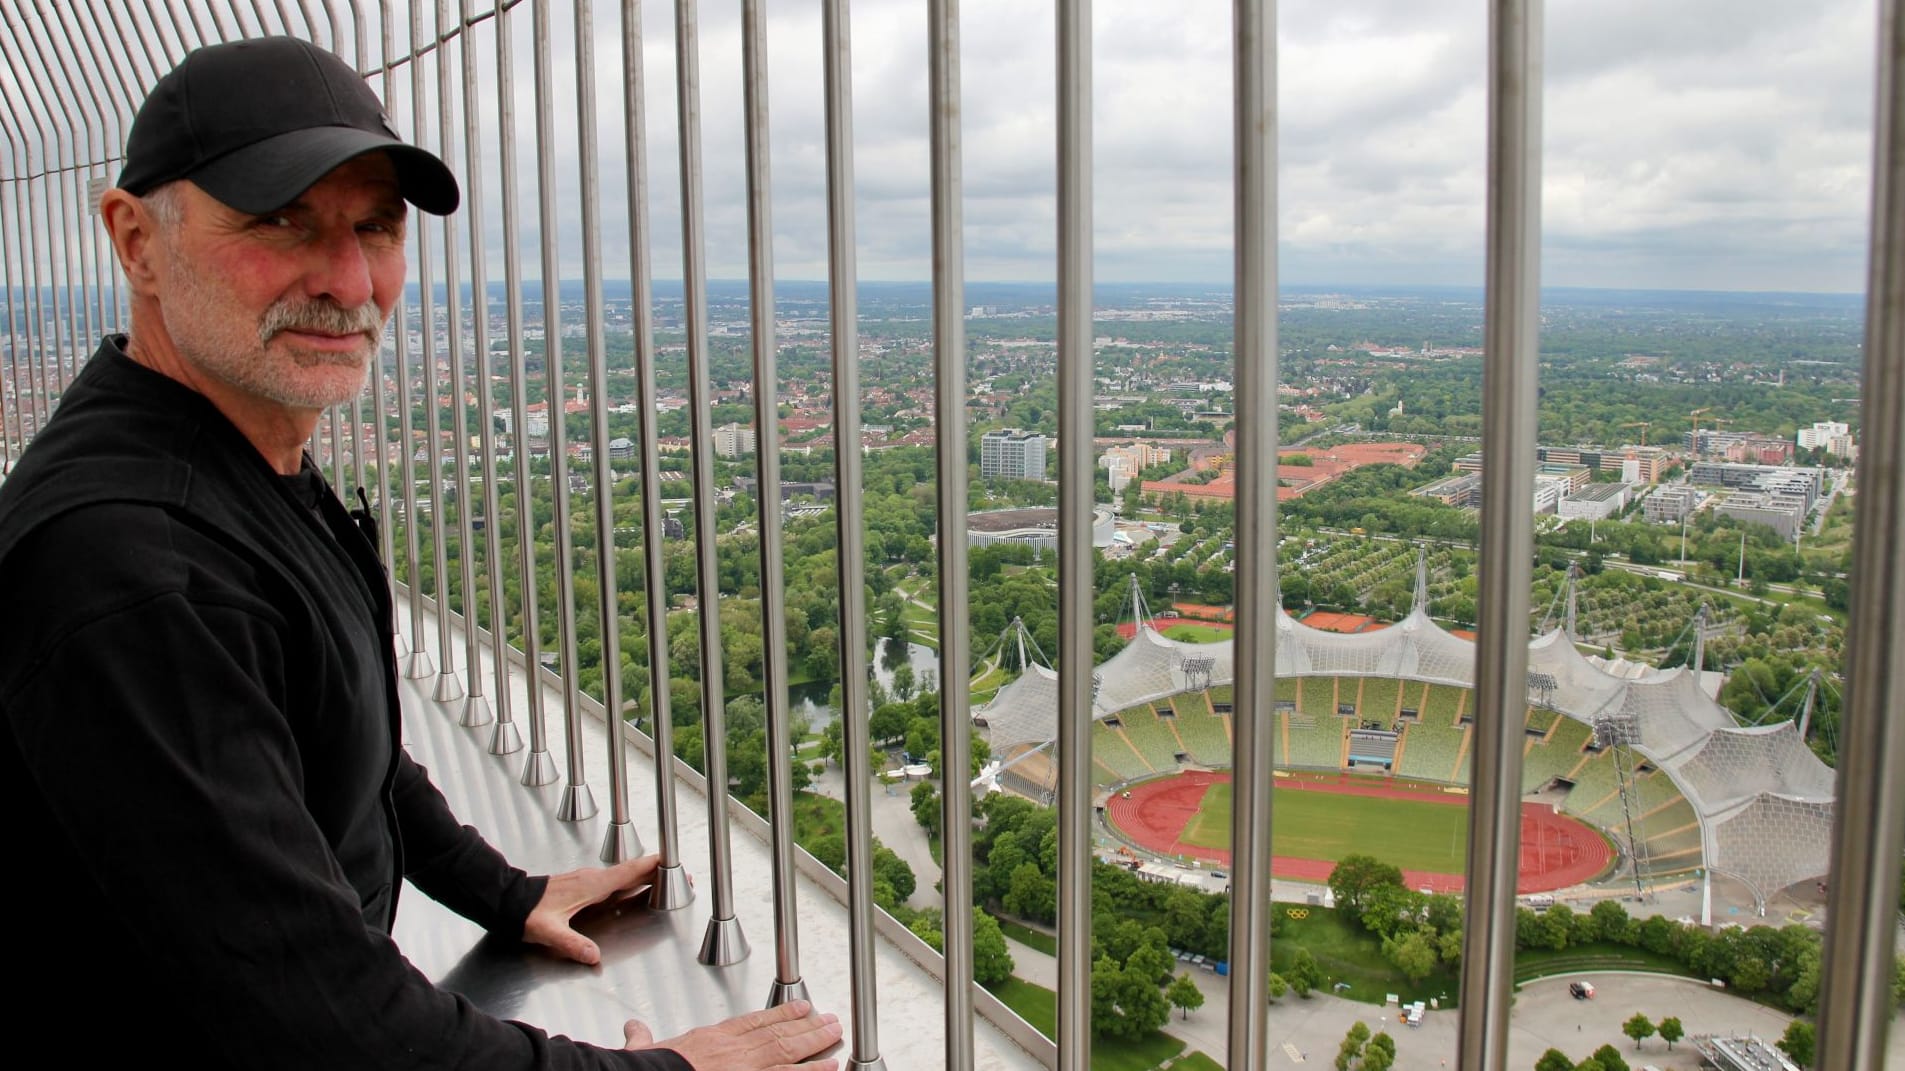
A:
211,811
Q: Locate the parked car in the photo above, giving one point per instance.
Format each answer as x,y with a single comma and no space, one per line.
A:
1581,990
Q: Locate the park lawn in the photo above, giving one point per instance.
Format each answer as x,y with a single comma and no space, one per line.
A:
1533,963
1348,953
1196,1061
1038,1006
1411,834
1028,936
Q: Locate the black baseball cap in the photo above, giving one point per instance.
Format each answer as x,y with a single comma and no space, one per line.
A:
254,123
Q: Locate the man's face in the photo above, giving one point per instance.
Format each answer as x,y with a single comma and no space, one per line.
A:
288,306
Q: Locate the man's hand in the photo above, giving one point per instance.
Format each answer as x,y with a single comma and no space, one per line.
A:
778,1039
567,894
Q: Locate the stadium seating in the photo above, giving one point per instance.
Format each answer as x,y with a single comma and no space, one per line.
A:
1316,696
1444,702
1222,695
1541,721
1545,762
1673,839
1656,791
1429,749
1151,736
1112,749
1318,744
1380,698
1203,735
1595,787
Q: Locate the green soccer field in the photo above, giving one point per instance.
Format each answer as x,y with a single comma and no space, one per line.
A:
1412,834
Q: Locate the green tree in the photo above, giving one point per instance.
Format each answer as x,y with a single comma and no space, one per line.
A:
1554,1060
1305,976
926,807
1352,1045
1640,1028
1184,994
1277,986
1412,954
1356,876
1610,1058
1670,1031
1798,1042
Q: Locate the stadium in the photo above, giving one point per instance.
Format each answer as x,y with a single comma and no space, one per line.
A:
1628,780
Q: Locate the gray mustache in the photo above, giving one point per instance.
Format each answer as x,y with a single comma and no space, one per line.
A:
321,316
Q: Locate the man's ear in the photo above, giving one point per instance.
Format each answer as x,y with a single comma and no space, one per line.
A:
135,236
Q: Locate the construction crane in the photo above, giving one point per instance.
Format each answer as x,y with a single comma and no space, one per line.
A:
1643,426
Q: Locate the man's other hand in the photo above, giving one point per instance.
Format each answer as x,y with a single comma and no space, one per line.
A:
778,1039
567,894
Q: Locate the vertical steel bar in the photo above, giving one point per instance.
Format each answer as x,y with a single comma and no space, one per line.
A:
1511,345
504,739
100,269
539,767
359,446
1856,1005
386,524
448,688
955,586
153,67
158,33
787,985
420,664
620,841
578,803
20,324
672,889
80,324
52,343
1254,175
16,436
93,35
476,710
724,942
58,254
1074,534
193,12
849,518
178,26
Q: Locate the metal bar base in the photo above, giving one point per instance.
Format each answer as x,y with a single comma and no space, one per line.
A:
419,666
476,712
673,889
724,943
578,803
540,769
505,740
449,687
786,992
621,844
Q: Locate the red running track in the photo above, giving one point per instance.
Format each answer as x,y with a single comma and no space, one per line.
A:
1556,851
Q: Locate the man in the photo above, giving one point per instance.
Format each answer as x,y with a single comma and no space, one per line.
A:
196,669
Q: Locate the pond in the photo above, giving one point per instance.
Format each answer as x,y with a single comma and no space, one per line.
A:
810,700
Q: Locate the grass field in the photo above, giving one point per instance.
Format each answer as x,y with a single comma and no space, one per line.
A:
1038,1006
1414,835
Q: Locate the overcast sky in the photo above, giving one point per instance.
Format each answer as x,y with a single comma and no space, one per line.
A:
1696,144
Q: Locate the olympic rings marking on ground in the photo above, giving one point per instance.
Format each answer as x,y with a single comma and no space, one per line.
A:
1297,912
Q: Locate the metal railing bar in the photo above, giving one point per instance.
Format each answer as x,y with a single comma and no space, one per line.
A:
476,710
850,540
1856,1008
78,264
724,941
1255,300
53,378
1511,345
539,767
448,687
620,841
954,568
672,889
787,984
578,802
504,739
101,272
1075,696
